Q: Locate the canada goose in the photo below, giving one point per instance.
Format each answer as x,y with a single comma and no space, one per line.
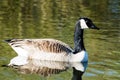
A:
51,49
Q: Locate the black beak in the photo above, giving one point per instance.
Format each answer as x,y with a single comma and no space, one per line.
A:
94,27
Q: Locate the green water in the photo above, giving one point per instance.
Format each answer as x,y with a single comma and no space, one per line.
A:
56,19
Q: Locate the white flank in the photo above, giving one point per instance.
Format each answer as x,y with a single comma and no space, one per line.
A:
41,55
21,60
83,24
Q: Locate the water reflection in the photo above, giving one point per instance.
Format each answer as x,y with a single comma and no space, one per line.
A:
45,68
48,68
78,70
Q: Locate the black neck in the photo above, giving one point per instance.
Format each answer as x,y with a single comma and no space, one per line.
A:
78,39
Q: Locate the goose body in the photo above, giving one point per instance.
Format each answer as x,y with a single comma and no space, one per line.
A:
51,49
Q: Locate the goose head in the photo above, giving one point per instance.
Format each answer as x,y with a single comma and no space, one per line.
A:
86,23
82,23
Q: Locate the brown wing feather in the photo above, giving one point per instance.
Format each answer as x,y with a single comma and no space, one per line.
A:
46,45
49,45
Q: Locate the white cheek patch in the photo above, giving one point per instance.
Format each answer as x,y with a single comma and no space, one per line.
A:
83,24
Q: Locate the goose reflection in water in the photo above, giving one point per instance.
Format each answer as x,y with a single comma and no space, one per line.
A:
47,68
78,70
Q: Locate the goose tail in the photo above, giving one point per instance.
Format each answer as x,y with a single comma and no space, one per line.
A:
8,40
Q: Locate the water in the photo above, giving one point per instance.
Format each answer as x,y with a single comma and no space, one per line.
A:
56,19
